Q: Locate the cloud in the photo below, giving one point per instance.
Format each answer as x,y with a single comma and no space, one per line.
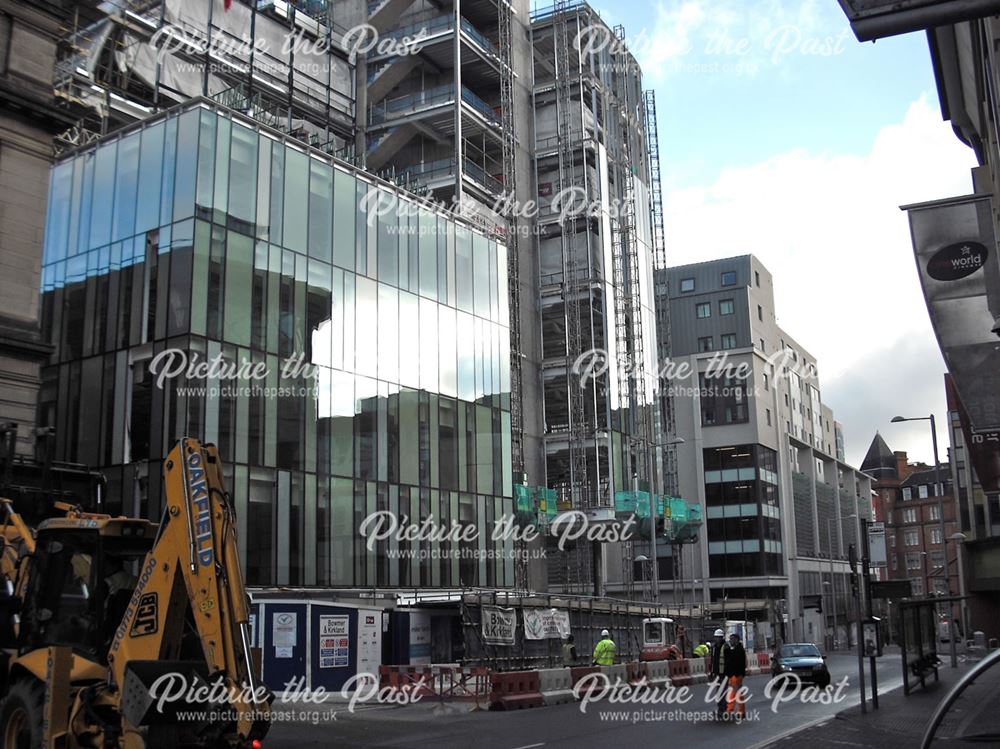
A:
734,35
829,229
902,378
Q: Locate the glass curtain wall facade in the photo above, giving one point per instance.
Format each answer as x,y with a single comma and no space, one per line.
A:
742,511
376,331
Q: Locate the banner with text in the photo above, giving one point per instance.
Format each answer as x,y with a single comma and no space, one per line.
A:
499,625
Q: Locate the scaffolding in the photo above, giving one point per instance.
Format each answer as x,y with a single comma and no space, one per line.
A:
627,270
664,413
587,615
124,60
505,45
578,494
655,187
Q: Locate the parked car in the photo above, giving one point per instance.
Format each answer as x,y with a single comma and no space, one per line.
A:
804,660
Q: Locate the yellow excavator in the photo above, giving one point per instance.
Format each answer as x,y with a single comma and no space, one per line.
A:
118,633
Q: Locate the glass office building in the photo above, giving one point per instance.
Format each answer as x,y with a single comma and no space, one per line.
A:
369,331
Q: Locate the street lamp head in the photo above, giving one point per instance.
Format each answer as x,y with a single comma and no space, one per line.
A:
897,419
957,537
642,558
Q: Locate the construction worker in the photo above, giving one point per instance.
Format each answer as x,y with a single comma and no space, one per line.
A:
734,669
604,651
569,652
716,671
702,649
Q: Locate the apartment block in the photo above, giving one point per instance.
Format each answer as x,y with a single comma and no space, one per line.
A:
759,451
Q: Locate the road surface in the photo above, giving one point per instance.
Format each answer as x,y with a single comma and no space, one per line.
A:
602,725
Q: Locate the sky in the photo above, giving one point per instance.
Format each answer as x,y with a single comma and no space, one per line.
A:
783,136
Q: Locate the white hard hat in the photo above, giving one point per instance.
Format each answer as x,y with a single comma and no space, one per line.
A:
719,633
605,633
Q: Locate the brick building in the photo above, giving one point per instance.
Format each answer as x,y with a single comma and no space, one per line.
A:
907,501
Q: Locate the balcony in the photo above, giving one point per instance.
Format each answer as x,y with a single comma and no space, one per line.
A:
430,102
440,174
439,28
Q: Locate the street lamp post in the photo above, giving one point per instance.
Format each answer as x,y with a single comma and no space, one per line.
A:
939,488
958,537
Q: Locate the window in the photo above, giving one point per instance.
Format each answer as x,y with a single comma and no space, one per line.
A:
892,540
687,284
768,411
756,278
728,340
922,491
917,586
935,535
760,313
5,28
705,344
914,560
763,348
934,512
910,538
703,310
767,382
910,515
726,307
907,493
729,278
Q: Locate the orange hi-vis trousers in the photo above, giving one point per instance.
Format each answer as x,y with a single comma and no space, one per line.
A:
734,703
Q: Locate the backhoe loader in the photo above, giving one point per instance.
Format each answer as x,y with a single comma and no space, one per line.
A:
98,614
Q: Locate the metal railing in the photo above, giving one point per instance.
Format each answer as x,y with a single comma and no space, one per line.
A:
428,99
431,170
439,24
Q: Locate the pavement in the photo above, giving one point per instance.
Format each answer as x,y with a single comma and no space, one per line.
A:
901,721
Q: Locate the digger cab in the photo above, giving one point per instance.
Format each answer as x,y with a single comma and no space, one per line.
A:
79,583
658,640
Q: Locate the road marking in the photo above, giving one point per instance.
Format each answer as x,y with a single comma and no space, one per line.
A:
530,746
790,732
855,701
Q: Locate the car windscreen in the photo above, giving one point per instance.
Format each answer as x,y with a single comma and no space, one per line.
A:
799,651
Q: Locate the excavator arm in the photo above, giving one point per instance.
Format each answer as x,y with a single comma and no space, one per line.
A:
188,615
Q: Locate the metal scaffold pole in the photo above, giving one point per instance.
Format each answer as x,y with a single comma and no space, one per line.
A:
509,145
627,269
575,285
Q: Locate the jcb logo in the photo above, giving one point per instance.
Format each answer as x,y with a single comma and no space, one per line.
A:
145,616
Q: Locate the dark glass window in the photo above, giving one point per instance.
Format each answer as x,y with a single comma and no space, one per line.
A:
729,278
687,284
320,210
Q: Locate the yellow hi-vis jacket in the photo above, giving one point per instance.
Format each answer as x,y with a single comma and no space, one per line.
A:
604,652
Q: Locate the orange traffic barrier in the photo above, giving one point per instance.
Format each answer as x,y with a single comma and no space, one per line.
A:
680,673
637,671
414,679
515,690
578,672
